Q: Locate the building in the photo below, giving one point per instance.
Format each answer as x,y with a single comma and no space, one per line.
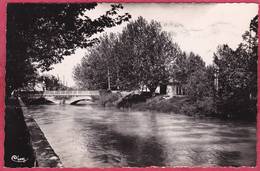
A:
173,88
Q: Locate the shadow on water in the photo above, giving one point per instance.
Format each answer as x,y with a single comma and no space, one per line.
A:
228,158
137,151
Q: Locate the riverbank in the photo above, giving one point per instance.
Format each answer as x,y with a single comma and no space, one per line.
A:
161,104
204,107
17,138
25,143
145,101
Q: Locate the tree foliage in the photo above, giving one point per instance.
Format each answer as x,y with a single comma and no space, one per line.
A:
145,55
99,63
229,86
139,56
190,71
152,51
237,75
200,84
51,82
39,35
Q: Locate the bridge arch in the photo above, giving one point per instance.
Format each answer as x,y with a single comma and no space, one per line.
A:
80,100
69,97
71,100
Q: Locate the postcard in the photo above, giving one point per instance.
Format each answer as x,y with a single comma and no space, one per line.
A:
130,85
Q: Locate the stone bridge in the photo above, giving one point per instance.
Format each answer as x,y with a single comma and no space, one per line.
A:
69,97
62,97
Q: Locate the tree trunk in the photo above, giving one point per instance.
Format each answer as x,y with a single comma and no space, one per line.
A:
8,90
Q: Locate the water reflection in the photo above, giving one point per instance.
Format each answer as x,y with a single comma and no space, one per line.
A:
88,136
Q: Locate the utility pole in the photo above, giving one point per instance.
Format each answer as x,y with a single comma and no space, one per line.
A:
108,79
117,79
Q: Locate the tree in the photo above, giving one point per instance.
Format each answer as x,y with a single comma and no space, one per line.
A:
187,70
200,84
179,70
249,48
194,63
237,76
39,35
139,56
232,81
97,68
51,82
148,51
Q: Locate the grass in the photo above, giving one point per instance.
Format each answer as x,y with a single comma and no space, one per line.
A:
178,104
161,104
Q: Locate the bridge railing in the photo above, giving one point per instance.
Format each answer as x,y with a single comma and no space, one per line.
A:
65,93
72,93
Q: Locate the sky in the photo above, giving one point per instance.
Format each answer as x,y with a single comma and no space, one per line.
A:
196,27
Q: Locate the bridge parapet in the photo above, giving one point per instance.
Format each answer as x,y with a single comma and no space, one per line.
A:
70,93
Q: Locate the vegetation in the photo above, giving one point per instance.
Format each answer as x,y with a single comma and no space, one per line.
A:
39,35
140,55
51,82
236,94
144,55
161,104
108,98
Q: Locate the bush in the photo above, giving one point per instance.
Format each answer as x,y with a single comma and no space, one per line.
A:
107,98
189,109
95,97
162,104
204,106
131,99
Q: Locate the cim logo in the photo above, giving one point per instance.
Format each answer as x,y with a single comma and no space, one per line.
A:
18,159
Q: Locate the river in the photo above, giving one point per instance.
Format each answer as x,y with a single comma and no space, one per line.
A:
92,136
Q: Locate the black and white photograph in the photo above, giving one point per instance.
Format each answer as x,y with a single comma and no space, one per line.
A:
115,85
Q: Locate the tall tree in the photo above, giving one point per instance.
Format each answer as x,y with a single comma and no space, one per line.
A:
249,48
179,70
148,51
237,75
97,68
139,56
186,71
39,35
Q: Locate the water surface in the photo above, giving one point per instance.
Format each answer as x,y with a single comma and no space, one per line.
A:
91,136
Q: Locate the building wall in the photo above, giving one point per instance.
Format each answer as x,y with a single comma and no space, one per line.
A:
174,90
171,90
